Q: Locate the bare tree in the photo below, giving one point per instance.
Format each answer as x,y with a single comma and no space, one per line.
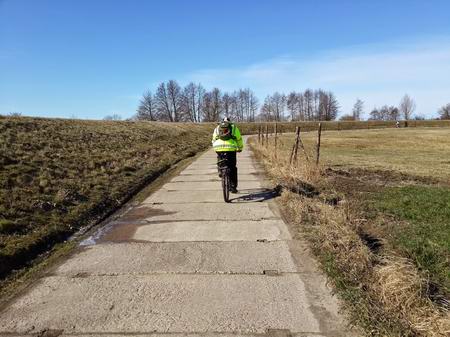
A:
212,105
292,105
174,95
191,102
309,108
146,109
385,113
241,99
444,111
328,106
358,110
14,114
168,101
393,113
113,117
227,105
242,105
407,107
253,106
279,105
163,103
266,113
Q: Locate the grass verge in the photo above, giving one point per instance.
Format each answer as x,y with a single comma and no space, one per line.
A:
368,229
423,234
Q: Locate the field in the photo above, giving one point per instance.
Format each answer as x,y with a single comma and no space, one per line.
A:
57,176
376,212
419,152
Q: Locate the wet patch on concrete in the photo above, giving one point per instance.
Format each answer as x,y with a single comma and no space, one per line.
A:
124,228
143,212
121,232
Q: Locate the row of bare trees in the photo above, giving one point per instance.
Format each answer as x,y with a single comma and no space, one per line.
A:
404,111
194,103
312,105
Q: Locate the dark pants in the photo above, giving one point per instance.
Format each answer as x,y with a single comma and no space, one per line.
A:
231,159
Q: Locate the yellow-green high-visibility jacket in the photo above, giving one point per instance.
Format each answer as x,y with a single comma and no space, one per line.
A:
235,143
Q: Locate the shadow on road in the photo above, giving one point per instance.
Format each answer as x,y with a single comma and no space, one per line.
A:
258,195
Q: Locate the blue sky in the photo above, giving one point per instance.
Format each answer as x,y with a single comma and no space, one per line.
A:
87,59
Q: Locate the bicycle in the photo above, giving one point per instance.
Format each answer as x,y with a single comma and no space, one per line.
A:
224,173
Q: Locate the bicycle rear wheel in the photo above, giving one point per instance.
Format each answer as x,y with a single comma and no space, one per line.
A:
226,186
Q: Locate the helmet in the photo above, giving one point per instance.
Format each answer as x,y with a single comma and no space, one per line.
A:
225,128
226,119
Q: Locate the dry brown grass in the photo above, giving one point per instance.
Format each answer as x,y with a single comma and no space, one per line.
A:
416,151
384,292
400,288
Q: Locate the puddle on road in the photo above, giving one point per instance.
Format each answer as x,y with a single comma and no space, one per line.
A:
124,228
143,212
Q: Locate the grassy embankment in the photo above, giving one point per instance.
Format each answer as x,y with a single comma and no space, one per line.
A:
377,214
57,176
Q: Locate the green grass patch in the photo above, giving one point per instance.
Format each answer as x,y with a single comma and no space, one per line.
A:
425,235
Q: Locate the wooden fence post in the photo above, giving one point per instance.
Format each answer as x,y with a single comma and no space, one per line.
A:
259,134
267,134
319,133
293,158
276,138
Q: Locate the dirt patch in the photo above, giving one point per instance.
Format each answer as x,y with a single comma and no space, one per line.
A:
367,180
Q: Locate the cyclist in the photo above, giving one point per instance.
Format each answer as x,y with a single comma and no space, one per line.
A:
226,142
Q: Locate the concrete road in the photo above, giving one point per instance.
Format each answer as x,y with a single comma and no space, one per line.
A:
184,263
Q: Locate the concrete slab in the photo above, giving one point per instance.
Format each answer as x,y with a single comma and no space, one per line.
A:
213,163
163,304
200,171
275,333
268,333
212,231
214,177
170,197
207,186
215,211
180,257
209,168
210,173
210,161
241,170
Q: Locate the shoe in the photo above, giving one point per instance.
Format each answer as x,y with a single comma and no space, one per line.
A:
233,190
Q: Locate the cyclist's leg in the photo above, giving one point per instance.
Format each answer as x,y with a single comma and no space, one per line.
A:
233,169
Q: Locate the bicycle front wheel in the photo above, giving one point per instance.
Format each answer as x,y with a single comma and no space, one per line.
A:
226,186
